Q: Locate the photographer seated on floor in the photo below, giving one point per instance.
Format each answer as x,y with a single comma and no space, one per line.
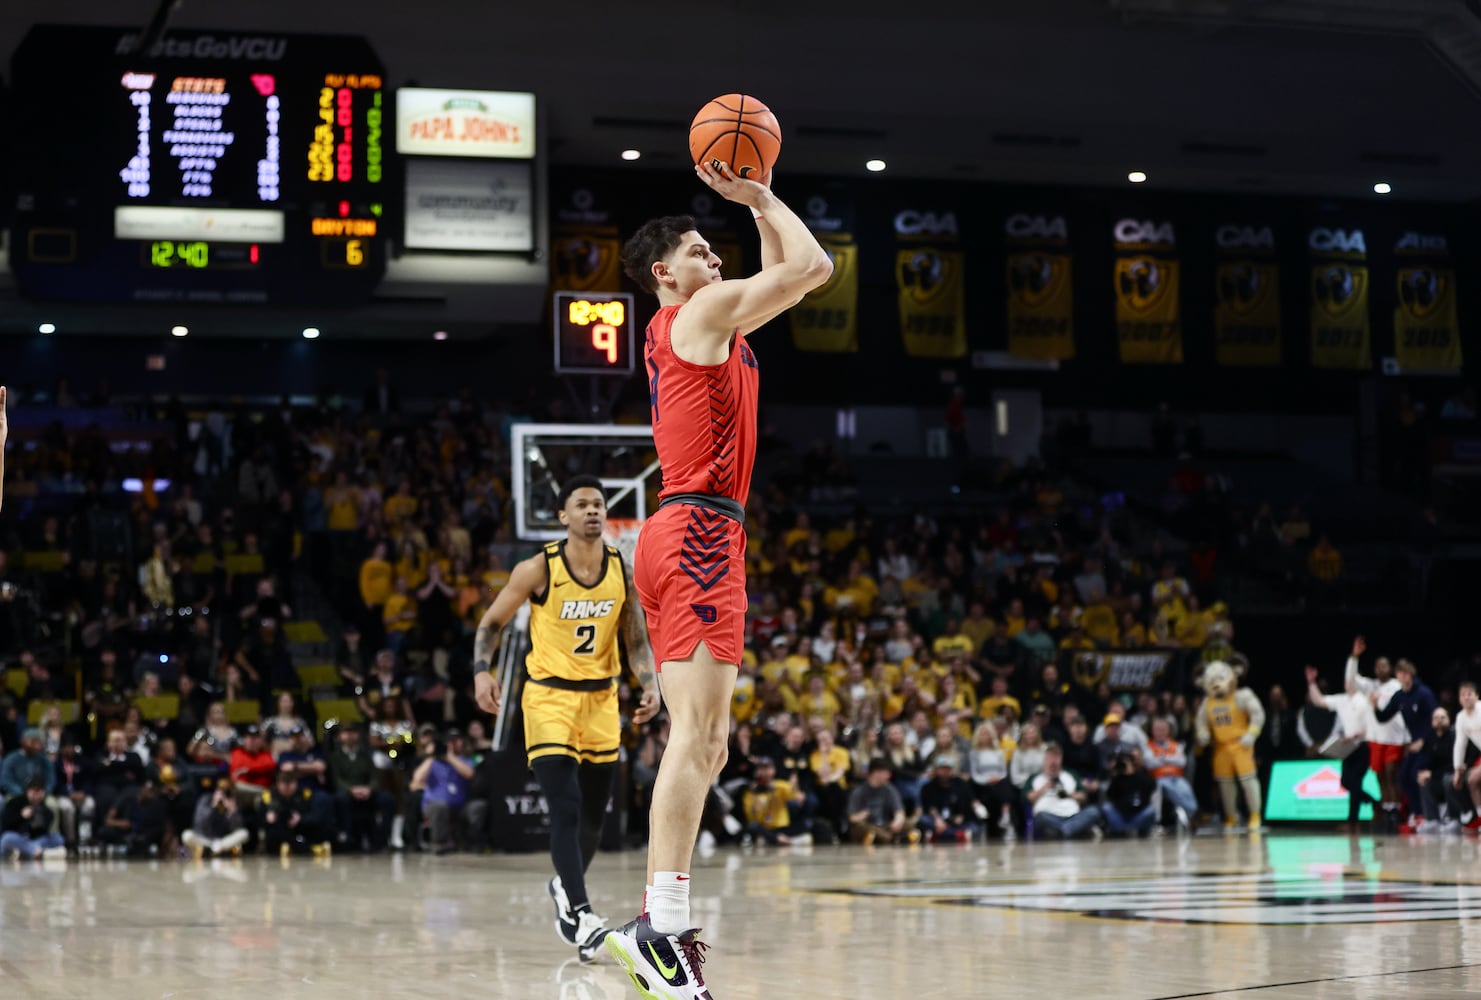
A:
218,826
25,825
442,778
298,820
1131,805
137,824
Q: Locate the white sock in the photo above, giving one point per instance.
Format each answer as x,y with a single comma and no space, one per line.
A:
668,902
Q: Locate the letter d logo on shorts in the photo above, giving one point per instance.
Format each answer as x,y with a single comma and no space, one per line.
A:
706,613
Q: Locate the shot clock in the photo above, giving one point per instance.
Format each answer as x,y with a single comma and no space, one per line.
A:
593,333
215,167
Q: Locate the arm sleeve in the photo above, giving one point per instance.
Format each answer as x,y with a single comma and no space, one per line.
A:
1351,676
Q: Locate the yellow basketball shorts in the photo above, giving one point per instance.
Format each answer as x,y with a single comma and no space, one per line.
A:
579,724
1233,760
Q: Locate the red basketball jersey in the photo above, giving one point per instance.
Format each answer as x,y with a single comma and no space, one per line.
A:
704,416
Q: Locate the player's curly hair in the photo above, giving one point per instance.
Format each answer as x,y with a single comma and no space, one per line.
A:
653,242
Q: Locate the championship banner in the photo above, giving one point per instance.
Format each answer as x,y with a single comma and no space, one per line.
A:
933,292
1247,297
1148,327
584,248
1123,670
827,318
1426,327
1041,288
1341,332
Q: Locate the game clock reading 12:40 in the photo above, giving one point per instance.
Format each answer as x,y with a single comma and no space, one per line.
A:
593,333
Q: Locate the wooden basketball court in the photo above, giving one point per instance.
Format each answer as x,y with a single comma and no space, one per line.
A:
1283,916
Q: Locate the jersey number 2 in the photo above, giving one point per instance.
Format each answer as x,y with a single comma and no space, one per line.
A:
588,636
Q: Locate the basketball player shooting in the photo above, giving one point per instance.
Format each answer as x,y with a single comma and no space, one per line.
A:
690,560
581,605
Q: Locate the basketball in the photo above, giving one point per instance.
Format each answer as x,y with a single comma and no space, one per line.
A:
737,130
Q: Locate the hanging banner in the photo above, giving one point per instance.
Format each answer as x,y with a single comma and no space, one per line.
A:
1426,326
584,247
1341,332
1247,297
827,318
1041,288
929,272
1148,327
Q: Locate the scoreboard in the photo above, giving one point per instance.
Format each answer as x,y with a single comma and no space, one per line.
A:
213,168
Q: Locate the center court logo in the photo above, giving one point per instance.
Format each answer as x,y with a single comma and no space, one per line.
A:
1268,899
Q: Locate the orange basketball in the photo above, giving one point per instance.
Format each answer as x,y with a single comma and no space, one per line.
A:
737,130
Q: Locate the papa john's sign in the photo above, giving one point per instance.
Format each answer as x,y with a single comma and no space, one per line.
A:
488,123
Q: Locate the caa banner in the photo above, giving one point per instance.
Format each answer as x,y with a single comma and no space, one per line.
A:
584,248
1246,296
1148,327
1340,329
827,318
1041,288
932,286
1426,328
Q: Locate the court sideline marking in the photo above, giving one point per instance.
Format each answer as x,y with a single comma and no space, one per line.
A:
1309,982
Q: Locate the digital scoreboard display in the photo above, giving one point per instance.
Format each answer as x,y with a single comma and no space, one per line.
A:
593,333
214,167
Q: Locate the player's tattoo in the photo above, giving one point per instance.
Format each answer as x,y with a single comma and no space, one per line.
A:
634,627
483,649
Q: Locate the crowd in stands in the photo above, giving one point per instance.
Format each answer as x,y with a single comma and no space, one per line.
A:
275,653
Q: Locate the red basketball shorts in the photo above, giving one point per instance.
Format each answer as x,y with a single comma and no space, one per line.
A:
1383,754
690,571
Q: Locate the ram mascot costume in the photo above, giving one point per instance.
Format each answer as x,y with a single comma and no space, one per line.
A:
1231,719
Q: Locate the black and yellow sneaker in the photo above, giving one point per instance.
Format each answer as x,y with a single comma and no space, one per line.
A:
661,966
565,920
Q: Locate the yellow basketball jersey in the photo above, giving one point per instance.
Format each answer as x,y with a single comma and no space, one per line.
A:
574,628
1226,720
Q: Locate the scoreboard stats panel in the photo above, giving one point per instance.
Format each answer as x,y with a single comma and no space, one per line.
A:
215,167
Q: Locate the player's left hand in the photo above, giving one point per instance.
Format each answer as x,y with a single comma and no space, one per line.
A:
648,706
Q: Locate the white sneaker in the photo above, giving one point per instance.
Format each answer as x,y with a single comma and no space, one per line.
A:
591,933
1005,822
1184,824
565,920
54,854
732,826
1009,834
1097,834
802,840
1452,828
706,842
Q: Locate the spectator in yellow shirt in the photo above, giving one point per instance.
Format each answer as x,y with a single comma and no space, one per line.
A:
401,505
412,565
1077,640
342,501
819,701
994,703
768,803
978,627
1324,561
376,578
400,615
954,640
1133,632
829,764
1015,620
1191,630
